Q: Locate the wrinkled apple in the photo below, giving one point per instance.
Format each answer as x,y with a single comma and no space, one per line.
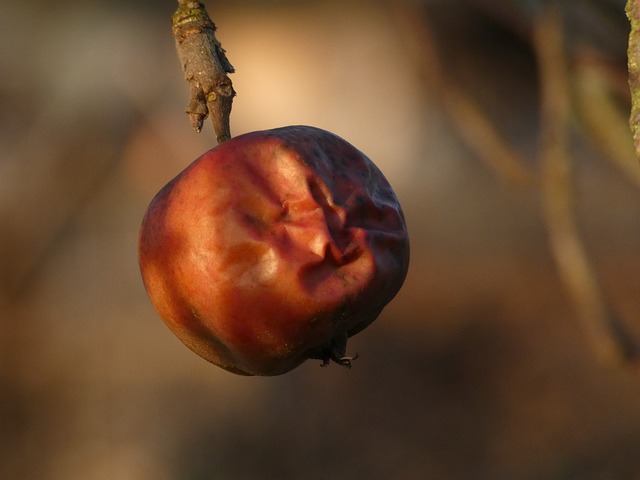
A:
272,248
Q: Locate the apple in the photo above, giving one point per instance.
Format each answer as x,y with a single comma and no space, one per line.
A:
272,248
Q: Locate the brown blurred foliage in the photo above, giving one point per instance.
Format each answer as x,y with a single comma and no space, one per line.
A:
481,368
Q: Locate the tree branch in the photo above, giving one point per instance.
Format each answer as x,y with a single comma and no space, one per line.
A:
633,58
607,335
605,121
474,126
205,68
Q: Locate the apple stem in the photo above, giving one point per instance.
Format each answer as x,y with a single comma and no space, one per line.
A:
344,361
205,66
337,352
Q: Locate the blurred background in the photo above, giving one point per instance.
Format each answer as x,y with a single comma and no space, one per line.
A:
487,365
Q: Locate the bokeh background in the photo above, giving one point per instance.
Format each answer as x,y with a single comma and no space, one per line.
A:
480,368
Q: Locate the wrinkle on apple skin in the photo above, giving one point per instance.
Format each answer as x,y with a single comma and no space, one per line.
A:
262,253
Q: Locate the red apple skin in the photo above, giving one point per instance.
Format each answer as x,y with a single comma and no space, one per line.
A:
273,248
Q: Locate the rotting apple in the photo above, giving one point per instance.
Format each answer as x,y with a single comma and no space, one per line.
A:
272,248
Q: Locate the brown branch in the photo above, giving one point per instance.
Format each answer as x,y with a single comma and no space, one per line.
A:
607,336
471,123
633,59
205,68
606,123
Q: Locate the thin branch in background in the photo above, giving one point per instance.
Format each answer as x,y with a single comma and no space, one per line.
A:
205,66
470,121
610,342
605,122
633,58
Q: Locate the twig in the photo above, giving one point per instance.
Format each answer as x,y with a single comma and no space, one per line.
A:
474,126
205,67
610,342
483,137
633,58
603,118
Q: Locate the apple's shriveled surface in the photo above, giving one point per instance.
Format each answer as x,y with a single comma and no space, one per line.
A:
273,248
